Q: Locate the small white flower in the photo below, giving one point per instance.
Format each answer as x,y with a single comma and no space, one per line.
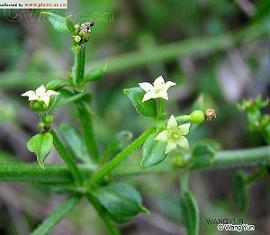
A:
40,94
174,135
157,90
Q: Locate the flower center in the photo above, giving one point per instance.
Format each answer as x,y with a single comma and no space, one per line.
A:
175,136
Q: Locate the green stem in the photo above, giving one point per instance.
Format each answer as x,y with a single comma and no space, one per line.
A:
88,132
183,118
256,174
67,157
60,174
57,215
79,69
243,157
119,158
32,173
161,109
184,179
103,214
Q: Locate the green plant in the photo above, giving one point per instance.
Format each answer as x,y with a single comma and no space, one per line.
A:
93,178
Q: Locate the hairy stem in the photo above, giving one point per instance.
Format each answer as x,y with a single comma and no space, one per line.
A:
60,174
119,158
57,215
184,180
88,132
67,157
103,214
79,69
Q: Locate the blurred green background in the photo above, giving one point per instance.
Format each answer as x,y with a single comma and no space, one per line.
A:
216,51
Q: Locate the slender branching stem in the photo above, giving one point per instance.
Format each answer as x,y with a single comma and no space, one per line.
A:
119,158
60,174
79,69
57,215
67,157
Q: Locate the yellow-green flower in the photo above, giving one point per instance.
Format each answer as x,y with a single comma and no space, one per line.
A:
174,135
41,94
157,90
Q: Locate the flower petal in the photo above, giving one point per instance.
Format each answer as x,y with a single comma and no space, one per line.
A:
46,99
31,95
159,82
146,86
163,94
183,142
148,96
41,91
51,93
172,123
169,84
170,147
162,136
184,128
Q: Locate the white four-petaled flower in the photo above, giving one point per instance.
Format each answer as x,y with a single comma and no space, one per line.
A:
174,135
41,94
157,90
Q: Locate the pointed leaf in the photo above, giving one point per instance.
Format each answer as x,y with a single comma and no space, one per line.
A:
147,108
41,145
74,142
122,201
63,98
240,191
189,213
58,22
153,152
70,24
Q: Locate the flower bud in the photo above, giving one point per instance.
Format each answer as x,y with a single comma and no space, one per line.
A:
83,32
41,126
49,119
197,116
210,114
34,105
77,38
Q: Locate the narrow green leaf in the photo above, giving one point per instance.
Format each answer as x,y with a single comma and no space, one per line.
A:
57,84
70,24
240,191
63,98
95,74
189,213
202,156
56,216
41,145
147,108
74,142
58,22
122,201
88,133
153,152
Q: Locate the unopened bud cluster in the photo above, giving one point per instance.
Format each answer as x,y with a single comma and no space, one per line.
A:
82,33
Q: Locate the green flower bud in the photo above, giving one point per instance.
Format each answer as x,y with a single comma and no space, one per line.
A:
49,119
34,105
43,105
77,39
41,126
197,116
